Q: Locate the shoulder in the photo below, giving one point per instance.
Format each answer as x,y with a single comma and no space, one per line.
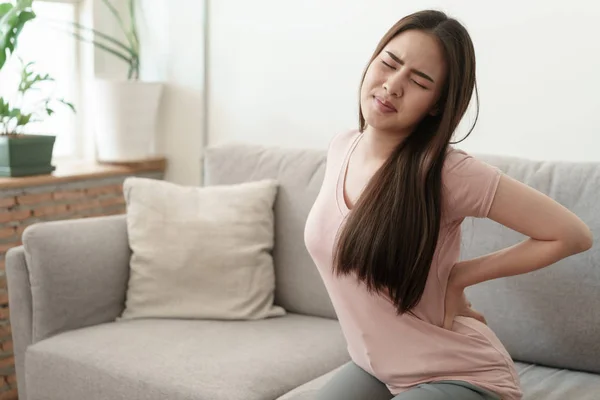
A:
460,164
454,158
469,183
341,141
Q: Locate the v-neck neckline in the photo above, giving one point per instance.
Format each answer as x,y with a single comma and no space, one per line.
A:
341,184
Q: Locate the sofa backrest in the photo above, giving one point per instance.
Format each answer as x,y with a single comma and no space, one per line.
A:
298,285
551,316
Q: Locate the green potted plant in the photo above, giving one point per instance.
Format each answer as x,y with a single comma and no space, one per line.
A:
124,109
27,154
23,154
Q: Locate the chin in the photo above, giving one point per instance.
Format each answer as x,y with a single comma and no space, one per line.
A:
381,123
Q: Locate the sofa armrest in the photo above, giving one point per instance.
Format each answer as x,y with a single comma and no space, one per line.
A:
20,307
67,275
78,272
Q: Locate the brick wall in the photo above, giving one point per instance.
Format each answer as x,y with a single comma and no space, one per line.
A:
21,207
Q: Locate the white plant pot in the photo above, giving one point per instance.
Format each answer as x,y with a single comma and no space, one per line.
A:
125,119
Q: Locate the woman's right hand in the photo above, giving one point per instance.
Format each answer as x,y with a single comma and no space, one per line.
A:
468,311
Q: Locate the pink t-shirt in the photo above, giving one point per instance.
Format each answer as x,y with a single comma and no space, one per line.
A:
404,351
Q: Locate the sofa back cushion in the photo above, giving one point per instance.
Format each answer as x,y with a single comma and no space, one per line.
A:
299,173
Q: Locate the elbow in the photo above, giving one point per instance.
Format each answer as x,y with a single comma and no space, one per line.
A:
588,240
583,241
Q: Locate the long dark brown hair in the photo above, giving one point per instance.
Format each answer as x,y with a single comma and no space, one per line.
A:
389,238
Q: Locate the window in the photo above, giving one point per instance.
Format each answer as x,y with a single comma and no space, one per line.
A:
55,53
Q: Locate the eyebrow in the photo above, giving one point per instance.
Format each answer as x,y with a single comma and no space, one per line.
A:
415,71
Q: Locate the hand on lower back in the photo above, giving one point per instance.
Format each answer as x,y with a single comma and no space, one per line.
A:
456,304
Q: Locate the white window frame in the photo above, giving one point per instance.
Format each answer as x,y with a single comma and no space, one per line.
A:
80,136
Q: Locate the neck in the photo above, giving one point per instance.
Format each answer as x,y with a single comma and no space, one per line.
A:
379,145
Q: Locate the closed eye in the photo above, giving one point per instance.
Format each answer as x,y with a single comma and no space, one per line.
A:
394,68
388,65
418,84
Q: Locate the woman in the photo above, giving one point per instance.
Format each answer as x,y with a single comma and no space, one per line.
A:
385,228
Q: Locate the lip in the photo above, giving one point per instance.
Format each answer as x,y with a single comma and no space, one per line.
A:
384,105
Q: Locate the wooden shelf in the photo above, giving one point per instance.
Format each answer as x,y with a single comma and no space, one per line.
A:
67,171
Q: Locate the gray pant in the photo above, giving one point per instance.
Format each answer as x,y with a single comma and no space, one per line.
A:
354,383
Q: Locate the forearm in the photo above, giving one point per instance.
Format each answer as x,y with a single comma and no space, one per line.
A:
524,257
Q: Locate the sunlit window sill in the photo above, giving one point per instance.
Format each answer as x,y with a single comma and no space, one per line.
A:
68,170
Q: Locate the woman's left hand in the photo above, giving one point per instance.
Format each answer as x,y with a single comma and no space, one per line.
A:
456,304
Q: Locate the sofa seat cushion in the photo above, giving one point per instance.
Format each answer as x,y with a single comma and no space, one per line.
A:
538,383
184,359
545,383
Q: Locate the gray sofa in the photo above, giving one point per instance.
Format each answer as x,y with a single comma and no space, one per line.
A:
67,285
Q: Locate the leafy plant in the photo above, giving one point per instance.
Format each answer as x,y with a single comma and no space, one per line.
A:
22,108
128,52
13,17
21,111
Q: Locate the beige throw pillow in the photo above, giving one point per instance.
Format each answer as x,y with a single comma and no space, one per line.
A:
200,252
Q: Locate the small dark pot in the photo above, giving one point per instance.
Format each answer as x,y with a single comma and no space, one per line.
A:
23,155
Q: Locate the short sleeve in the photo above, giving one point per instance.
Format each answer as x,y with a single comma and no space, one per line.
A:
469,185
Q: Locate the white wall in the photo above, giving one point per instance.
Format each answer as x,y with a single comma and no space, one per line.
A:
287,73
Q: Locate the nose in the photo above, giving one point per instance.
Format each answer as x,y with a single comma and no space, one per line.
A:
394,85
